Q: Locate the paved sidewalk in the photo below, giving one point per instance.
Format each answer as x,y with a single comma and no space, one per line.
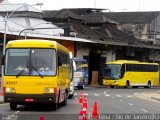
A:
1,100
153,96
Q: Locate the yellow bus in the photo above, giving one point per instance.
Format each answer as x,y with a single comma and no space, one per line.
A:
36,71
128,73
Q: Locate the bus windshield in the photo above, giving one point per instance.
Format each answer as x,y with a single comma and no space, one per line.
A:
36,62
112,71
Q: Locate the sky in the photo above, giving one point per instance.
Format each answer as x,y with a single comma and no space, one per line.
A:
109,5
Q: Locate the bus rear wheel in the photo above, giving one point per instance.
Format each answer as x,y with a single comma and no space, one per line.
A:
135,86
112,86
13,106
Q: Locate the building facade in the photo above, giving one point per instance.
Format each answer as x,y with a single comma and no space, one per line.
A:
110,41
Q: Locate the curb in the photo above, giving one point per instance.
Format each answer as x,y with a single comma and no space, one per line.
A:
97,86
1,102
156,98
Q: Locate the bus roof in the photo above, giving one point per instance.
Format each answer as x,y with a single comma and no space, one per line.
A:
130,61
36,43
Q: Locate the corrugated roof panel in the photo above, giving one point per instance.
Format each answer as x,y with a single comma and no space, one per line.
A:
17,7
20,23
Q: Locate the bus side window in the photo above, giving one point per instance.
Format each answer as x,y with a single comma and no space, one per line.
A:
122,70
59,58
59,62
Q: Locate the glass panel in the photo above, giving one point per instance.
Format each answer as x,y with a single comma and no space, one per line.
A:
39,62
17,62
112,71
43,61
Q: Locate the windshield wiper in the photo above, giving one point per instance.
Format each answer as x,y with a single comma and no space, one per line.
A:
20,73
37,72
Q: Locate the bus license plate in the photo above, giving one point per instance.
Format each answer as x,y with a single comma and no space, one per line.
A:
29,100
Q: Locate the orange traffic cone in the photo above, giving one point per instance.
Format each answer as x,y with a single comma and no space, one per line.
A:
80,98
85,98
85,105
41,117
95,111
83,114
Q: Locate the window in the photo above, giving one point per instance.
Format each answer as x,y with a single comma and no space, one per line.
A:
63,59
30,62
141,67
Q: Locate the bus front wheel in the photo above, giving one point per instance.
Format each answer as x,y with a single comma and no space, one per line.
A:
13,106
127,84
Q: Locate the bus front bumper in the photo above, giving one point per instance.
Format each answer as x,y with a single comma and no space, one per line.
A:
30,98
110,82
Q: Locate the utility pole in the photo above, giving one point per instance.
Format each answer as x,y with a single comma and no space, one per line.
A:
94,3
139,5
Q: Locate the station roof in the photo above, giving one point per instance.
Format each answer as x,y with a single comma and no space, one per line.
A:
129,17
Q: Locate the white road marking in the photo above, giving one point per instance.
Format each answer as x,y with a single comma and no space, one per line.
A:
121,100
105,92
17,112
144,110
107,95
12,116
86,94
118,96
129,96
75,94
130,104
96,94
76,98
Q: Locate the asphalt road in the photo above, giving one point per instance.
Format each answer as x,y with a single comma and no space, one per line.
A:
110,101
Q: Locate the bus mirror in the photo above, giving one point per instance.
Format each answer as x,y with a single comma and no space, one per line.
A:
2,60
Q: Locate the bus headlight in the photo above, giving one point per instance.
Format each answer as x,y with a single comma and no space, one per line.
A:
49,90
10,90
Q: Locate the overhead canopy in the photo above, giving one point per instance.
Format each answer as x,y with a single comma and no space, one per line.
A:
17,7
16,21
16,25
